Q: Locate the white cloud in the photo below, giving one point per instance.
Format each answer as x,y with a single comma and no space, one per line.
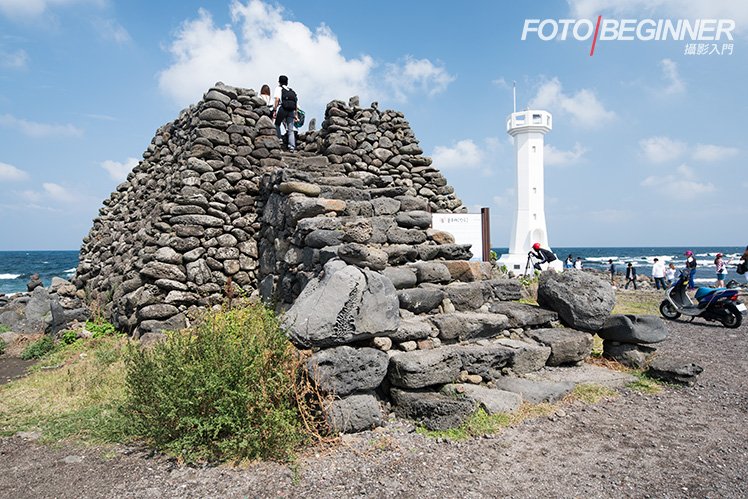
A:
10,172
662,149
558,157
39,130
678,9
670,72
51,192
417,75
505,199
256,47
35,8
119,171
463,154
13,60
111,30
712,153
583,107
609,215
682,185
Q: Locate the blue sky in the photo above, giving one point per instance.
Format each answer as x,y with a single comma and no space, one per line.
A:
648,146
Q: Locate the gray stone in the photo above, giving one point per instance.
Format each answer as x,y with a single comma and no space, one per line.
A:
465,296
526,357
385,206
485,360
628,354
398,235
305,188
168,255
582,300
158,311
159,270
431,272
414,219
633,329
568,346
401,277
435,411
343,370
363,256
493,401
420,300
321,238
354,414
174,323
524,315
533,391
673,370
346,304
148,341
423,368
502,289
412,329
465,325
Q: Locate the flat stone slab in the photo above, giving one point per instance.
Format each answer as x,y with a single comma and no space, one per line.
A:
674,370
468,325
492,400
634,329
526,357
435,411
535,391
423,368
583,375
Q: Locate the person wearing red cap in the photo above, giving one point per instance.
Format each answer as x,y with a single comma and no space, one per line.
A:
691,266
541,255
721,268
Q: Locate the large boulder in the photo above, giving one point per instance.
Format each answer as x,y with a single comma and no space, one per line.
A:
568,346
468,325
582,300
523,315
344,370
673,370
629,354
526,357
346,304
487,360
633,329
435,411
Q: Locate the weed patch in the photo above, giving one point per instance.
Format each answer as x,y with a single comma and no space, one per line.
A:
38,349
480,423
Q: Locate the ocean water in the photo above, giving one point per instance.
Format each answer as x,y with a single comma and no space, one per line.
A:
16,267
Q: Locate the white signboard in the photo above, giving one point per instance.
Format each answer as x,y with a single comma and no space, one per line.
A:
465,227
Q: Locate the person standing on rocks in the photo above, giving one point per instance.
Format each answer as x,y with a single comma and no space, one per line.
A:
612,270
265,95
670,273
630,276
658,273
569,262
285,104
578,263
721,268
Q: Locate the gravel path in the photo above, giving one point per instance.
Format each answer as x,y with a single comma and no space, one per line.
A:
683,442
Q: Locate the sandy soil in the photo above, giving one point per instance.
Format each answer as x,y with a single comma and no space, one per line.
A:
683,442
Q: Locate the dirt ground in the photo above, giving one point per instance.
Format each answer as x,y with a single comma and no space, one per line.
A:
682,442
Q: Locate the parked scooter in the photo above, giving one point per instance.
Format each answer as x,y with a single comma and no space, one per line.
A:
713,304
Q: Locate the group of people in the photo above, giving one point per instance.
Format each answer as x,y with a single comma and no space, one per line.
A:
570,263
665,275
286,112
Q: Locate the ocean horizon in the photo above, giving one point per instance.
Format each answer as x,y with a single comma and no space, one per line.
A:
16,267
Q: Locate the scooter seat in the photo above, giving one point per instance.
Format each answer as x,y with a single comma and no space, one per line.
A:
701,293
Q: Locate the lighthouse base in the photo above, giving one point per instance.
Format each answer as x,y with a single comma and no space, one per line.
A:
517,264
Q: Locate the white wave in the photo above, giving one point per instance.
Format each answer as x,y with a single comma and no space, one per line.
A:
602,258
10,276
69,271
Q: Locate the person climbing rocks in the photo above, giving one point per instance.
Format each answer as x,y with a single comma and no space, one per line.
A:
285,104
541,255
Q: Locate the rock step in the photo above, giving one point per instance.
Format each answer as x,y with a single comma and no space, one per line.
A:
458,296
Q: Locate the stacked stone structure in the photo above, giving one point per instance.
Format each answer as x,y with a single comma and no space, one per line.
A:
338,235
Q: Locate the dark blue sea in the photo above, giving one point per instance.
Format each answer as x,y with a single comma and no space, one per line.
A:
16,267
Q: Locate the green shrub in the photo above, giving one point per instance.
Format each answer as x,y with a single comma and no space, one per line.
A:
225,390
38,349
4,328
101,328
69,337
3,345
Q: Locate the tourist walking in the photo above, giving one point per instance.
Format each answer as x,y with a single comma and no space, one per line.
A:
670,273
285,104
630,276
691,267
578,263
569,262
721,268
612,270
658,274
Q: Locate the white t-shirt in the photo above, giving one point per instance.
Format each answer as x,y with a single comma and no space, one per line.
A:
658,269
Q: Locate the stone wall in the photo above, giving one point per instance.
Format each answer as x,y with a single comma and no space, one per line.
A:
190,215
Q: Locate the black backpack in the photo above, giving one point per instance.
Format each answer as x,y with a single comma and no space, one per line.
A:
288,99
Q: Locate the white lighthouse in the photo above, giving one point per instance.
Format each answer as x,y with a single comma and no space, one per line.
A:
528,128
